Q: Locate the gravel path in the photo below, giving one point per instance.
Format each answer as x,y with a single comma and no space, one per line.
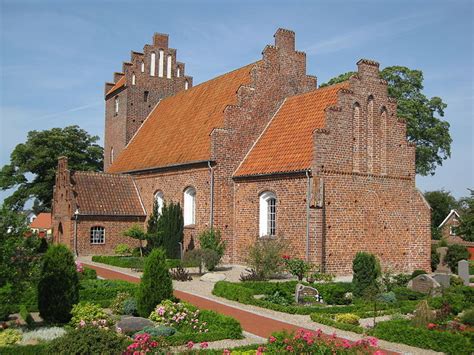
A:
204,290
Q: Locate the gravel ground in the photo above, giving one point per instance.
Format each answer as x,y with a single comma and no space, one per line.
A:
232,273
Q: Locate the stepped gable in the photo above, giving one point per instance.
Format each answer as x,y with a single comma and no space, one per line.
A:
286,145
106,194
178,130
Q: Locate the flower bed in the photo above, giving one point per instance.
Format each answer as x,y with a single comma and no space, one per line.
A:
129,262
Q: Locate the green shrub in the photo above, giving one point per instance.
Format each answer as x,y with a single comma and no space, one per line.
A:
278,297
264,257
19,349
122,249
210,258
423,315
457,297
388,297
435,258
297,267
58,287
9,337
418,272
456,281
159,331
103,292
365,269
404,293
348,318
454,254
87,312
401,331
193,258
155,285
336,292
87,274
129,262
89,340
130,307
324,319
6,301
25,315
118,303
468,317
211,239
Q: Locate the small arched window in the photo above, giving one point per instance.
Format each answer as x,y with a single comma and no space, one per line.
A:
189,206
186,85
142,66
112,155
161,63
267,216
160,201
168,67
152,64
178,72
133,79
97,235
116,104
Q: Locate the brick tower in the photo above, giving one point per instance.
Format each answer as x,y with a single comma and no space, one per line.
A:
145,80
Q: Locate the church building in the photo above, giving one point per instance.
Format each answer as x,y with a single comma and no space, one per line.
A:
258,152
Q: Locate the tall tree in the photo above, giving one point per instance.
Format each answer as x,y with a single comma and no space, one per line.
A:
32,167
441,202
425,126
466,223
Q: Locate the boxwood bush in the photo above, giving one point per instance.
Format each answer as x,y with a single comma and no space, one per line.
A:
129,262
401,331
103,292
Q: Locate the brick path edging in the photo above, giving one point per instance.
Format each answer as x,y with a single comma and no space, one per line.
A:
253,323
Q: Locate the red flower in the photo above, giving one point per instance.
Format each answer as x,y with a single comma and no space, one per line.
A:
272,339
431,326
286,256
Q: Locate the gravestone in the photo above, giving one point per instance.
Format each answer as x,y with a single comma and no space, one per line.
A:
443,279
306,294
425,284
463,271
130,325
442,266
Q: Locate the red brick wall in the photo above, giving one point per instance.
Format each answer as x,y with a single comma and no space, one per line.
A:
63,205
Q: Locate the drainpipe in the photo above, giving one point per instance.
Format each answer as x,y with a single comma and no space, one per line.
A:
211,214
308,198
76,214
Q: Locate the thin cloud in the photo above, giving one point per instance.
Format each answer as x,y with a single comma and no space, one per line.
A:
79,108
367,33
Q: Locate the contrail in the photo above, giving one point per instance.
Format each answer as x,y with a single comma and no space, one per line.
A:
71,110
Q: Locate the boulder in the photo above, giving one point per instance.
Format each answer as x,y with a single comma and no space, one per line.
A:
130,325
212,277
425,284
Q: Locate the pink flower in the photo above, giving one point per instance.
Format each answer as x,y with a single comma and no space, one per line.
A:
379,352
346,343
289,348
204,345
226,352
153,344
260,350
373,341
272,339
431,326
82,323
190,345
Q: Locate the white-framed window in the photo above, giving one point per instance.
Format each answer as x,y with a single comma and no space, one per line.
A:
160,201
186,85
168,67
267,218
161,63
142,66
152,64
116,104
178,72
189,206
133,79
97,235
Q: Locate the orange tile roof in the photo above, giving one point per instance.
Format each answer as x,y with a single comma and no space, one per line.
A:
117,85
177,130
287,143
42,221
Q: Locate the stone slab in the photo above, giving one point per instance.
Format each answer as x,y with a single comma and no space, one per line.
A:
212,277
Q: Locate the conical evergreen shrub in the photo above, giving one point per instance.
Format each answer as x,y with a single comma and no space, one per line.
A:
58,287
365,269
155,285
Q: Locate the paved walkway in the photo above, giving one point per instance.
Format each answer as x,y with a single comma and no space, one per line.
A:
259,321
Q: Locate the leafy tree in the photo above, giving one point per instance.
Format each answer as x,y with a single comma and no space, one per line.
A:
466,220
58,288
38,156
136,232
455,253
425,126
155,285
211,239
366,270
441,202
166,229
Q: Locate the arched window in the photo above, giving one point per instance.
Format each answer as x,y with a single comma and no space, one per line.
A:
370,134
153,64
267,214
142,67
189,206
161,63
160,201
356,132
112,155
168,67
97,235
186,85
116,104
133,79
178,72
383,141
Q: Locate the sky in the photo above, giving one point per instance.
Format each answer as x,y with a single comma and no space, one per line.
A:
55,56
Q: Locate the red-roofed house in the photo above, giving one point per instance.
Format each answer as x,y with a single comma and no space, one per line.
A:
42,225
258,152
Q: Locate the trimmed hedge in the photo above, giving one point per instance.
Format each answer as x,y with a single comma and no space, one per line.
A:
103,292
324,319
129,262
401,331
37,349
